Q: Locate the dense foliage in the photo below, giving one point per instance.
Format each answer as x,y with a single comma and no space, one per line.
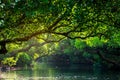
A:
26,25
23,60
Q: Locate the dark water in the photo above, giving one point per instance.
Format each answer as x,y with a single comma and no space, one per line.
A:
44,72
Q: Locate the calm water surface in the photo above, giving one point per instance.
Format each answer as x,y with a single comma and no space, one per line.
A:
44,72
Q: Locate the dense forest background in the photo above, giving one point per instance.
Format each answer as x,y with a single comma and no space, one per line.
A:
64,31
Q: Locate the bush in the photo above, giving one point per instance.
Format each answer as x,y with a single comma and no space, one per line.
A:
23,60
10,61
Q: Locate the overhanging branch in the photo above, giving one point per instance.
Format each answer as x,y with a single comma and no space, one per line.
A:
25,38
107,60
57,21
32,45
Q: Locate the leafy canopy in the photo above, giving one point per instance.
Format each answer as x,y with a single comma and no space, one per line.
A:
53,20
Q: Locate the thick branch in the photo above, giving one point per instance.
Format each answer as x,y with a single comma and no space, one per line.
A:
3,49
98,52
25,38
56,21
106,59
66,34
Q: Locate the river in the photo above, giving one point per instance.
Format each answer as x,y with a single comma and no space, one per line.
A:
45,72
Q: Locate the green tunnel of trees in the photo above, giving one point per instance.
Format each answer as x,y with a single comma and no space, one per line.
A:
36,28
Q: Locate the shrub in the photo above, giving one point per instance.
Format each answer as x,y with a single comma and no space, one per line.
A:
23,60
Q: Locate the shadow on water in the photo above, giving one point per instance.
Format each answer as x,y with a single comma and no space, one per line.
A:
44,72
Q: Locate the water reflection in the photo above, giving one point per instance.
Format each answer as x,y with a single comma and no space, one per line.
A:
45,72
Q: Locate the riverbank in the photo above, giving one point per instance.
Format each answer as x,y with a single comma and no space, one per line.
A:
4,69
